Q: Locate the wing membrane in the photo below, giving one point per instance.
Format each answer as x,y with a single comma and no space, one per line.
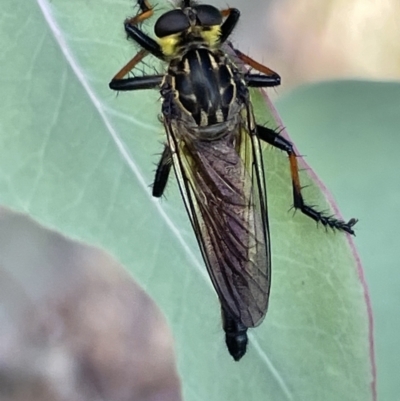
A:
222,184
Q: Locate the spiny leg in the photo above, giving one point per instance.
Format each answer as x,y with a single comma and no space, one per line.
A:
162,172
153,48
147,12
137,83
130,65
140,37
270,136
254,64
267,78
232,17
262,81
119,83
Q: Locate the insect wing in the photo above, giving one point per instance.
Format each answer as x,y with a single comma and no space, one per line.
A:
222,184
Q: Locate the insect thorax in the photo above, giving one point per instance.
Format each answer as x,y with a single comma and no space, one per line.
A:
205,86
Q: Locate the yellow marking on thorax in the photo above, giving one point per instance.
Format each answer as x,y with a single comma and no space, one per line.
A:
169,43
211,36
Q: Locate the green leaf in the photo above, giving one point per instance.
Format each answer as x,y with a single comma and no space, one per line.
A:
350,132
79,160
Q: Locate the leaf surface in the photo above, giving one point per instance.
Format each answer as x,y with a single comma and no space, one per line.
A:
79,159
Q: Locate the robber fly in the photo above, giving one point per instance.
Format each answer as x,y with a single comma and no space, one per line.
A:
213,144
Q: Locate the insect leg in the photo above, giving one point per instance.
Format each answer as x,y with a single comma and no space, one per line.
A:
235,335
162,172
229,24
146,13
130,65
270,136
144,40
119,83
262,81
267,77
140,37
136,83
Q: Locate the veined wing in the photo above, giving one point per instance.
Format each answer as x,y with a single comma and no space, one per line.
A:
222,184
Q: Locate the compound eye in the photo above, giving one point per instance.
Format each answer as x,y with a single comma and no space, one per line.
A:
208,15
172,22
